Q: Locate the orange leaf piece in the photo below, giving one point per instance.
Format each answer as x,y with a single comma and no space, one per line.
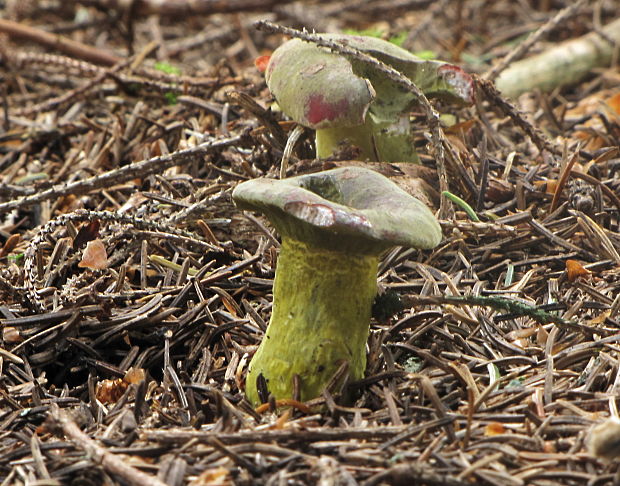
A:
462,127
614,103
213,477
494,428
574,270
135,375
94,256
552,185
11,335
10,245
110,391
261,63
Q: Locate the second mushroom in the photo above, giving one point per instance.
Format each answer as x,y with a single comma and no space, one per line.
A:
334,226
349,102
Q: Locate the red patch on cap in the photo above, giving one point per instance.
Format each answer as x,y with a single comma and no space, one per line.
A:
319,110
459,80
261,63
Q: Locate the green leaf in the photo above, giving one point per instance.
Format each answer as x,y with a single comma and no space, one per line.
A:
15,258
427,55
398,39
171,98
515,383
378,33
164,67
459,202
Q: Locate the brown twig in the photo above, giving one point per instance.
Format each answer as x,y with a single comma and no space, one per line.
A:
496,99
184,8
61,422
123,174
555,202
59,43
80,90
148,78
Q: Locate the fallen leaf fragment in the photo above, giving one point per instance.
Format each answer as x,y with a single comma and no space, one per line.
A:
11,335
261,63
135,375
461,128
213,477
499,191
613,102
10,245
600,319
494,428
110,391
574,270
94,256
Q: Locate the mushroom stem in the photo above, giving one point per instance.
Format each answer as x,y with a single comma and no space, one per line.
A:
387,141
321,316
329,140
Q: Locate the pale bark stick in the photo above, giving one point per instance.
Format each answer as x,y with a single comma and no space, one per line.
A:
566,63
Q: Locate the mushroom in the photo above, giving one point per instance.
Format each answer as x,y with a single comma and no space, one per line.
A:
345,100
334,226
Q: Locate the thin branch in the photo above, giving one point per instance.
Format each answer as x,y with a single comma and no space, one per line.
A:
496,99
502,303
53,41
184,8
55,102
149,78
61,422
123,174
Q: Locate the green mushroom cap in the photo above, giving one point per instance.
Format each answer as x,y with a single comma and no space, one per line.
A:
346,100
352,208
320,89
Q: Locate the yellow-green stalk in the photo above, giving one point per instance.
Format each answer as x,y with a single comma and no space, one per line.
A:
320,319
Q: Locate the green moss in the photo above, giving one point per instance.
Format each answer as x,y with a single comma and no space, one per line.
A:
320,319
164,67
426,55
171,98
